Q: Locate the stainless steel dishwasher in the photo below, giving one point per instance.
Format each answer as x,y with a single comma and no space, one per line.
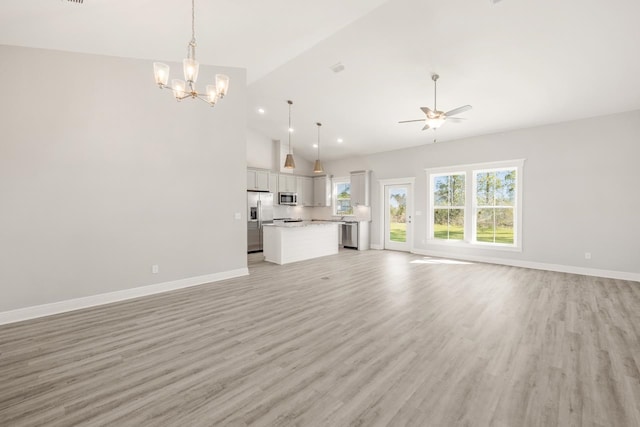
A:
350,235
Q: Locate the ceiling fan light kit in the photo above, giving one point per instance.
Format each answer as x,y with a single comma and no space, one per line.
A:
187,88
435,118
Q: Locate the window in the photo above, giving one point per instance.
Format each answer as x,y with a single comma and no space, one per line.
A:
476,204
448,206
495,194
342,197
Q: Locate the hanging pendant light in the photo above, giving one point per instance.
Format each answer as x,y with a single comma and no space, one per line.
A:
187,88
289,163
317,167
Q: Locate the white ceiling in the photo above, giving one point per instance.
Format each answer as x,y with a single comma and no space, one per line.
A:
520,63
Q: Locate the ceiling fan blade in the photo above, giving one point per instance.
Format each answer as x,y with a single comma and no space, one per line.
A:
456,119
428,111
409,121
425,127
458,110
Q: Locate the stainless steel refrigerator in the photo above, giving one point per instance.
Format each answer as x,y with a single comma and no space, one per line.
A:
259,212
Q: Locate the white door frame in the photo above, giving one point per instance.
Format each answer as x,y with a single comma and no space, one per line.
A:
410,209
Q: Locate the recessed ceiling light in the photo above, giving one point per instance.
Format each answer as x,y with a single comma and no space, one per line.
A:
315,145
340,140
261,111
290,130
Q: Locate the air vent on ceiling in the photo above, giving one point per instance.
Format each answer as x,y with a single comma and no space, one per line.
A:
76,1
336,68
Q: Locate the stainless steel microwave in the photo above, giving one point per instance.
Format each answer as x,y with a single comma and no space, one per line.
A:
290,199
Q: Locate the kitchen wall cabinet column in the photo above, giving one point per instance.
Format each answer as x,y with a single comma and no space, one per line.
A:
305,190
360,188
287,183
322,191
257,180
273,183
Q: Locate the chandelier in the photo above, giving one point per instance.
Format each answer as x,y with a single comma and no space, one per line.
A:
187,88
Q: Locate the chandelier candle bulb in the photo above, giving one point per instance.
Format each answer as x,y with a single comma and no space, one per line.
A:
222,84
212,94
178,88
161,72
191,67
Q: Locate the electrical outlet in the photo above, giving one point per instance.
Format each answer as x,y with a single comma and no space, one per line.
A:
587,255
155,269
237,215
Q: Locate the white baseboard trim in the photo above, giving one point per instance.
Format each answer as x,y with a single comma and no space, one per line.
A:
377,247
33,312
610,274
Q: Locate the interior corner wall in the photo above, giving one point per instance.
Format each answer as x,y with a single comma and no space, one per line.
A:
580,189
260,151
103,175
265,153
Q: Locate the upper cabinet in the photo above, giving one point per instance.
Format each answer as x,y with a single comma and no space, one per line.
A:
305,191
273,183
321,191
257,180
360,188
287,183
312,191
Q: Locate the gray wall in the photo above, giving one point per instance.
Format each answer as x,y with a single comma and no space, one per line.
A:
103,175
580,189
265,153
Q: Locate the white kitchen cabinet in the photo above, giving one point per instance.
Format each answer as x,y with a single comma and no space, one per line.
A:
360,188
287,183
273,183
307,184
321,191
257,180
305,190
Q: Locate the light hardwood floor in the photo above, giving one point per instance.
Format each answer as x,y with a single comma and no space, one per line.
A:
360,338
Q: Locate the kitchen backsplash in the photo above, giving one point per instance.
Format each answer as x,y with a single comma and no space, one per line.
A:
362,213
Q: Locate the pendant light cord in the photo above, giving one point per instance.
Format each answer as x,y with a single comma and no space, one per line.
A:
191,48
319,124
193,20
289,129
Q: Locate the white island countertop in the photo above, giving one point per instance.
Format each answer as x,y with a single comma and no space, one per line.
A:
286,242
304,223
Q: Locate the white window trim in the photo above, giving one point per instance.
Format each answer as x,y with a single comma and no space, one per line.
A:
470,204
334,195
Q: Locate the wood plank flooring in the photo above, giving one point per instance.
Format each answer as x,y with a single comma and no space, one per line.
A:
369,338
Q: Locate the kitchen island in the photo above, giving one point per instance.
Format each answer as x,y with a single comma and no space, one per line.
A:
297,241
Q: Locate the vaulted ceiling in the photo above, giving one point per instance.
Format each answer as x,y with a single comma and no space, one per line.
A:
519,63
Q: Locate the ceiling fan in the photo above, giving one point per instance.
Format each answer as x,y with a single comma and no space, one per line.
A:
436,118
